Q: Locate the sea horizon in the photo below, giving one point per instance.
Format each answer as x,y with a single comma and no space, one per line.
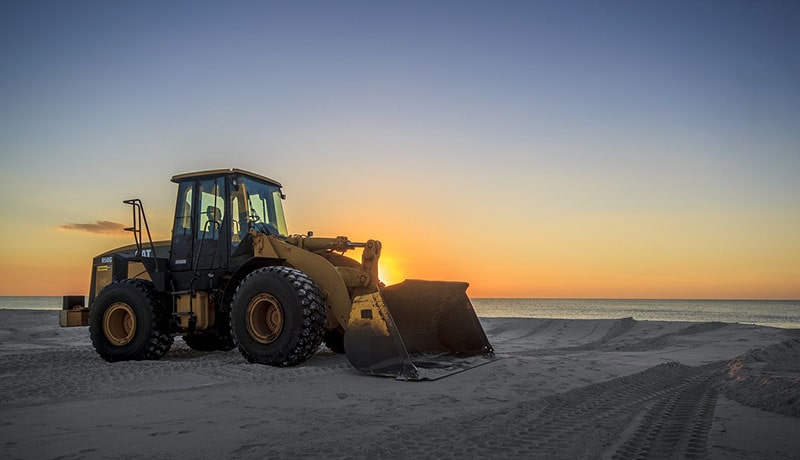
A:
749,299
781,313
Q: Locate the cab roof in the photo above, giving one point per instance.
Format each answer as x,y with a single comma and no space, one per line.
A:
222,172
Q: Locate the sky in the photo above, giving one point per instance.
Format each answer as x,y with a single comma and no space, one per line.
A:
612,149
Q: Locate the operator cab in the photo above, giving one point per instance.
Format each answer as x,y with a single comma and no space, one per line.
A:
214,213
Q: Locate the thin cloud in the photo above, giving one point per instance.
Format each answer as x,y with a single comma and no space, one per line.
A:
101,227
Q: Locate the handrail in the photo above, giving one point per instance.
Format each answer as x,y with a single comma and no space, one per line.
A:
140,217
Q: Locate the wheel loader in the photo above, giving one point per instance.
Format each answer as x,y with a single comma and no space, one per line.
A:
233,277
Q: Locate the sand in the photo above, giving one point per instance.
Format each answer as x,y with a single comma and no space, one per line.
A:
561,389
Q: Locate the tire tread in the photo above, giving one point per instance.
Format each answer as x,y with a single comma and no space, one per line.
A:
313,311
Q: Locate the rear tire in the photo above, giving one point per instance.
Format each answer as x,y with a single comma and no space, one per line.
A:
277,316
128,321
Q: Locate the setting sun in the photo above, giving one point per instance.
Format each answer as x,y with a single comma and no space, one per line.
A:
389,270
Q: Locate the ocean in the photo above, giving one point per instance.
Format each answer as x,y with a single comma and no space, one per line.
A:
774,313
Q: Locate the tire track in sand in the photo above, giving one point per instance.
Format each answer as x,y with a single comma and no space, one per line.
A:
664,411
677,425
78,373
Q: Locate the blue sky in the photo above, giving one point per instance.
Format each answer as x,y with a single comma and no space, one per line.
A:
531,119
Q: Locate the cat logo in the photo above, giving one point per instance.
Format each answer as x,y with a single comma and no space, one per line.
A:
147,253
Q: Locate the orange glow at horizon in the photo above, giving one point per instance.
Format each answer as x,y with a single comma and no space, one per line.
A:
544,277
624,256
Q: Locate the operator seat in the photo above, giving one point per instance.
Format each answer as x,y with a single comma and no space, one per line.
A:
214,215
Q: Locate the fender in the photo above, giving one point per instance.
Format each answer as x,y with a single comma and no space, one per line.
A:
333,281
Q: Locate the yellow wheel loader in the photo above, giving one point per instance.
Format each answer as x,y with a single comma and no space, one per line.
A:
232,276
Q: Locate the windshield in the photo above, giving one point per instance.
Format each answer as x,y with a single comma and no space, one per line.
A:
264,206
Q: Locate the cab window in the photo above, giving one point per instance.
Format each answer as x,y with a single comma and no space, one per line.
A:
211,210
183,211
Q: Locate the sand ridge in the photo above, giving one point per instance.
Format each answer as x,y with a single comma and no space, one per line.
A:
561,389
766,378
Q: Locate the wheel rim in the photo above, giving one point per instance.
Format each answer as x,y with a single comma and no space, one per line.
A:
264,318
119,323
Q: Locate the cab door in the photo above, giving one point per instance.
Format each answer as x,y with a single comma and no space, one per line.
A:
211,229
180,255
200,230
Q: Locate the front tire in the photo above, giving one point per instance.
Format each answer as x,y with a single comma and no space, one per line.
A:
128,321
277,316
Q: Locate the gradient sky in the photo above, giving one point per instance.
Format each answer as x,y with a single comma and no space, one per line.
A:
534,149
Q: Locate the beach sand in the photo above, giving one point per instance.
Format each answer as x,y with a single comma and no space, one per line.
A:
561,389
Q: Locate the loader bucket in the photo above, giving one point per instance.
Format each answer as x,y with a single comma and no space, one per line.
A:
416,330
